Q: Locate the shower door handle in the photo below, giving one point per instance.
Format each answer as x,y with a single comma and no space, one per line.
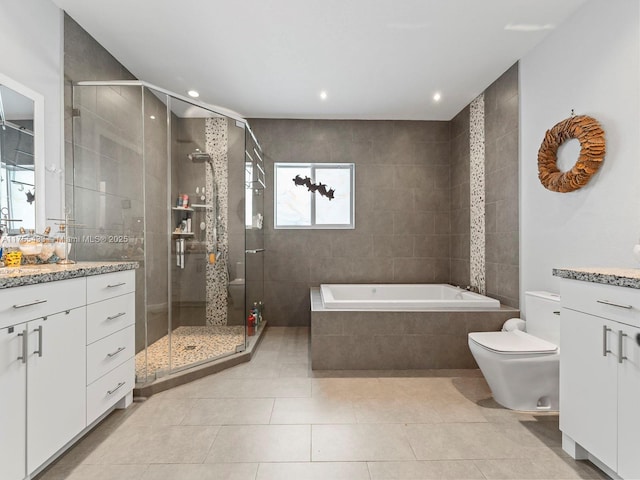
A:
255,250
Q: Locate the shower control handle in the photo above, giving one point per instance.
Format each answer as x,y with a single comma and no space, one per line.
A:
605,349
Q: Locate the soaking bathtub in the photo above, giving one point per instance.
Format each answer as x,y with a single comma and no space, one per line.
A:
398,327
399,297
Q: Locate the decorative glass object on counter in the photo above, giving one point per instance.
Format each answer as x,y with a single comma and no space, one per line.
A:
30,244
62,245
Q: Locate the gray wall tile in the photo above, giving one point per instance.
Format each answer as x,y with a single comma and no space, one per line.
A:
501,170
402,191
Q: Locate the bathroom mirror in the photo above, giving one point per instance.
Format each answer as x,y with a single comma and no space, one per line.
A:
21,162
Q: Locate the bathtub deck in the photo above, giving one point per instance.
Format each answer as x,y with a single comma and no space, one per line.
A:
372,340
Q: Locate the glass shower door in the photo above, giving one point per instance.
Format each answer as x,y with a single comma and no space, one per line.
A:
255,184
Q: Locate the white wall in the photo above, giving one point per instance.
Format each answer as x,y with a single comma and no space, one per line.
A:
31,54
591,64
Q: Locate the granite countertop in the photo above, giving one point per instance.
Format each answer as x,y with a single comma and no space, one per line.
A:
621,277
43,273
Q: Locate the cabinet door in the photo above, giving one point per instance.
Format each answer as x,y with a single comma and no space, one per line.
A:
13,402
588,383
56,402
628,399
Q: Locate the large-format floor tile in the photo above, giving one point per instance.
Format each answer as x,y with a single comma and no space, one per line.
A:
316,410
160,411
161,444
313,471
436,470
218,471
400,410
350,388
527,469
229,411
262,443
274,417
94,472
451,441
455,409
214,387
359,443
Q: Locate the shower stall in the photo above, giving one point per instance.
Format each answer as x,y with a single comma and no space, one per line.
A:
169,182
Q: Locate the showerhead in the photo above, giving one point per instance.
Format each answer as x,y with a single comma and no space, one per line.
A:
199,157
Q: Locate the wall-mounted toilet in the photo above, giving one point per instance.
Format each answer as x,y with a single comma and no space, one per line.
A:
522,368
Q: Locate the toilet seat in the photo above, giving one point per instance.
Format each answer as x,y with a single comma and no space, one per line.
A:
512,343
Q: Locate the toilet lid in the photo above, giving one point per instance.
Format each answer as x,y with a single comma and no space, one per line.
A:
512,342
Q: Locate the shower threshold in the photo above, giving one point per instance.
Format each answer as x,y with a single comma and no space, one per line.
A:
216,348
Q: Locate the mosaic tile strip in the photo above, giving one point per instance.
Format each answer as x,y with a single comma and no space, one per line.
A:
217,239
476,142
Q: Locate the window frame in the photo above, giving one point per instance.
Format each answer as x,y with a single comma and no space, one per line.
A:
351,167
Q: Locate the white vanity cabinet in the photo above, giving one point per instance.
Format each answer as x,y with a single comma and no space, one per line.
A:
55,383
45,363
600,374
110,340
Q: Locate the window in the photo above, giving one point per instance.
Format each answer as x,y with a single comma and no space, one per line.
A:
298,207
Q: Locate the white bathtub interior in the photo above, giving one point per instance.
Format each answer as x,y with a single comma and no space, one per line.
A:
394,297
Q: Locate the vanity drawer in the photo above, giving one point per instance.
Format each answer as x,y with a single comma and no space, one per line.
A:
109,285
621,304
109,316
105,392
19,304
110,352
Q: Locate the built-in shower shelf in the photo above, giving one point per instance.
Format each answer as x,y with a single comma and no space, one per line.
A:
183,234
182,209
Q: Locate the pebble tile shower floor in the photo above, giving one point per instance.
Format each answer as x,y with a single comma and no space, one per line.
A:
273,418
189,345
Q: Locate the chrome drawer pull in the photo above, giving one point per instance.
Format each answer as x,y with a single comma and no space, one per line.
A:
39,330
116,352
113,317
607,302
120,385
35,302
605,350
25,345
621,336
116,285
254,250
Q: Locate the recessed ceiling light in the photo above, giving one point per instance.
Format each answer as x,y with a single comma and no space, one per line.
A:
152,117
528,27
323,95
437,96
193,93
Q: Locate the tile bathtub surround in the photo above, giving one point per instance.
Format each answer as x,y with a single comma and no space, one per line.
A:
402,209
501,188
273,418
460,199
369,340
26,275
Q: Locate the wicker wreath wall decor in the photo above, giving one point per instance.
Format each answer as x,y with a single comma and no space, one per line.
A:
590,134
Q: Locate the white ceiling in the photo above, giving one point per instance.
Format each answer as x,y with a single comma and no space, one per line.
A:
376,59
